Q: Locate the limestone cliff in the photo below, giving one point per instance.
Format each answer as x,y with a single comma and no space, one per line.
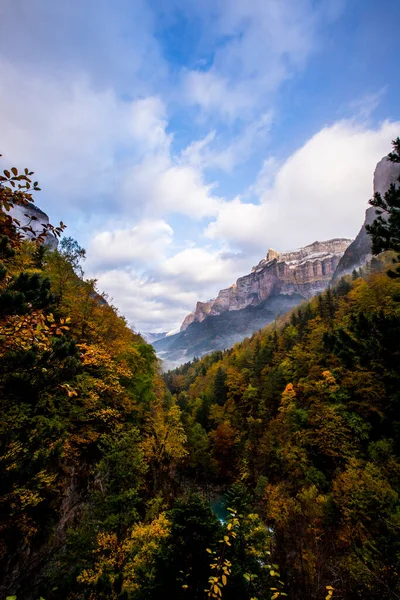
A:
33,216
304,272
359,251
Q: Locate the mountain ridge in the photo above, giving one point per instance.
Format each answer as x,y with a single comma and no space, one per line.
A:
278,283
304,271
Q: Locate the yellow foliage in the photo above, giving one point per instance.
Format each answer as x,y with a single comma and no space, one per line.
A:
165,439
141,549
288,398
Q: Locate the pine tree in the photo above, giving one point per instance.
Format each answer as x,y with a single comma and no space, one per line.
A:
220,389
385,230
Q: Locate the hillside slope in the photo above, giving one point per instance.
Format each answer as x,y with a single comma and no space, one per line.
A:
304,417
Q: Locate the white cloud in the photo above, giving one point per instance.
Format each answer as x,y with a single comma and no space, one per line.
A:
214,152
63,129
205,268
161,300
90,147
148,305
160,181
258,44
214,93
320,192
163,187
142,244
148,123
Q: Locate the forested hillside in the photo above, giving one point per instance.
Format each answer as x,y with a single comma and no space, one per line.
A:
269,470
304,420
88,437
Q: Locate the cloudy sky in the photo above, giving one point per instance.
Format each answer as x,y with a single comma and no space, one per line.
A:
180,139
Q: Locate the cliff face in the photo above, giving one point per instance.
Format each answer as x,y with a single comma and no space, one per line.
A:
359,251
304,272
34,217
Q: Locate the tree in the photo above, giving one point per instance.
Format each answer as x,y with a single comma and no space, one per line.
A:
220,388
73,252
16,189
385,230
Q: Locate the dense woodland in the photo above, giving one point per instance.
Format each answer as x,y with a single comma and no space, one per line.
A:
109,470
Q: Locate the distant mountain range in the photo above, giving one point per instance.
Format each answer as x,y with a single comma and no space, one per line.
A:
150,337
277,284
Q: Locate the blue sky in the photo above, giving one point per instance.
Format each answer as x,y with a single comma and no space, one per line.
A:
179,139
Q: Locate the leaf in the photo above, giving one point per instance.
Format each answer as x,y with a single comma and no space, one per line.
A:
8,175
208,550
14,170
224,579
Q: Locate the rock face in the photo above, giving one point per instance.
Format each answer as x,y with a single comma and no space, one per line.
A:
34,217
305,272
359,251
279,282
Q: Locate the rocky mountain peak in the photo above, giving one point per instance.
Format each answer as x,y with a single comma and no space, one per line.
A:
271,255
305,271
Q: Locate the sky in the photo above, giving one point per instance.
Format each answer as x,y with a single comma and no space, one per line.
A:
179,140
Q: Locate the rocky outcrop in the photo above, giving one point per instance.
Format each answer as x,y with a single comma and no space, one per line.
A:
279,282
359,251
304,272
36,219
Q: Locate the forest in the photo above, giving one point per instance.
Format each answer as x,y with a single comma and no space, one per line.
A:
111,472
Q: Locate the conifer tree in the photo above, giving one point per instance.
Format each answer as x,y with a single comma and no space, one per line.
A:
385,230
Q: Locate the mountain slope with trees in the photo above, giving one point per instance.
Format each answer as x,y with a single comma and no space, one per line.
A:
110,473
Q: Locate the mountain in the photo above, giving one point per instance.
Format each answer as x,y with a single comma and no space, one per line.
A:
359,251
151,337
279,282
34,217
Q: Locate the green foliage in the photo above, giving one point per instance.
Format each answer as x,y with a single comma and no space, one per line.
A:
385,230
106,475
77,387
309,437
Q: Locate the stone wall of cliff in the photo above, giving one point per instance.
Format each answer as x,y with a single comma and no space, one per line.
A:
34,217
359,251
305,272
